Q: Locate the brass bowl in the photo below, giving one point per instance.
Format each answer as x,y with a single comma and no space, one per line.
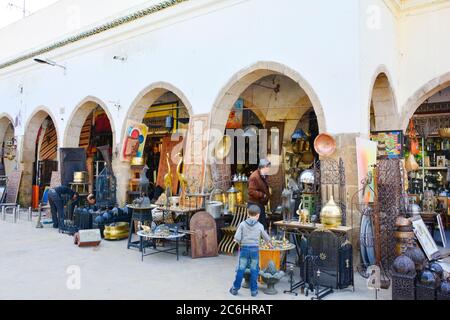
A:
325,145
444,132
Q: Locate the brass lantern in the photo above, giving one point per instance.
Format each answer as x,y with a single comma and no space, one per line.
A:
232,199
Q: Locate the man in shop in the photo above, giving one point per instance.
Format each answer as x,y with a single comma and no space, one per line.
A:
258,189
153,163
56,199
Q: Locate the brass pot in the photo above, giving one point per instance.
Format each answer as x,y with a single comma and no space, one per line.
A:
444,132
118,231
80,177
331,214
137,161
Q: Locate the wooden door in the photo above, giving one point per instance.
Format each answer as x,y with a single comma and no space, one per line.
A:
204,236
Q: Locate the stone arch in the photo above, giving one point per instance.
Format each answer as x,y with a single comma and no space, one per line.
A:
78,117
28,150
421,95
382,99
245,77
147,97
5,122
7,132
32,126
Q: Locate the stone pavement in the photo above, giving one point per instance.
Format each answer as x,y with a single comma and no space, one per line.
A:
34,264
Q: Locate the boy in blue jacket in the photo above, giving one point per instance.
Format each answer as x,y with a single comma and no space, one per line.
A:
248,236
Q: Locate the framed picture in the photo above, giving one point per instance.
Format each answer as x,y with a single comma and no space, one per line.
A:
390,143
441,161
442,231
236,115
425,239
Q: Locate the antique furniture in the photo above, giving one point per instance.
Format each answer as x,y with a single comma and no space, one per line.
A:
227,244
203,236
342,252
150,240
322,263
139,214
185,213
10,200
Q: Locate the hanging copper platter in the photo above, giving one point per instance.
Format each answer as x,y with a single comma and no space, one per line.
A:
325,145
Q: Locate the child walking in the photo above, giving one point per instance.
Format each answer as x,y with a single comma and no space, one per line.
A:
248,236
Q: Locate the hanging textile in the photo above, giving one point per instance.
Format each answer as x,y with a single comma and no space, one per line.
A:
49,146
85,134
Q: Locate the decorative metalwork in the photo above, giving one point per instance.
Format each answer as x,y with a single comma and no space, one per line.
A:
96,30
425,292
390,204
329,179
403,286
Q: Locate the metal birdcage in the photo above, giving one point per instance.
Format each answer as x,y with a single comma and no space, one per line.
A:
106,184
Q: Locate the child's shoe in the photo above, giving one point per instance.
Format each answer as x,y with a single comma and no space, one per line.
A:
254,293
233,291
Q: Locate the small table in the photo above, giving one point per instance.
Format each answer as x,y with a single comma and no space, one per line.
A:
142,214
187,213
153,237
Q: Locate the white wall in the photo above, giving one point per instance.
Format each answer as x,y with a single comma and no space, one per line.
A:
198,48
379,44
425,49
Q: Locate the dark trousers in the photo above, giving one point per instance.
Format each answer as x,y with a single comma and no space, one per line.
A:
248,258
262,216
56,207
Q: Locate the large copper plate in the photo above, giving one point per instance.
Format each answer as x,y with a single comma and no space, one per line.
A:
325,145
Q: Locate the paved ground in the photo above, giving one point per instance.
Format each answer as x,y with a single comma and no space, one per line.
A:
34,265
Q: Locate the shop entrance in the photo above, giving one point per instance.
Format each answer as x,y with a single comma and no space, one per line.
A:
272,118
39,158
159,151
8,147
427,154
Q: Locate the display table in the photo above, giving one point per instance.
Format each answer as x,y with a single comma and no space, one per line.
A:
151,238
187,214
